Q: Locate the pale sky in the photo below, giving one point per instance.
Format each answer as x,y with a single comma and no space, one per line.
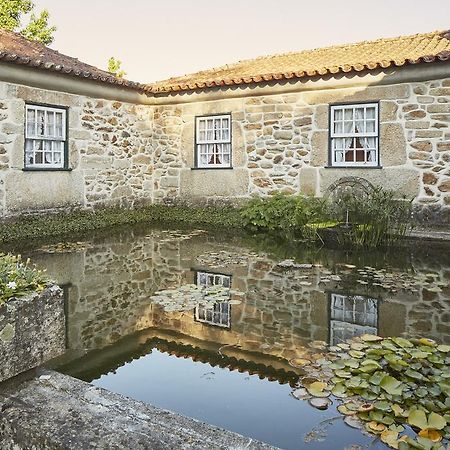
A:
156,39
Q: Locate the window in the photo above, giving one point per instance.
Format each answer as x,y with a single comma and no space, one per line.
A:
220,314
213,279
352,315
213,141
45,137
354,135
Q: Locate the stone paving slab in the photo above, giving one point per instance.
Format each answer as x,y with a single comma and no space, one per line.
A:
55,411
430,235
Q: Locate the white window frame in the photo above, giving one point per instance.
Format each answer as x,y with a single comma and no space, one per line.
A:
213,279
46,138
218,146
219,315
334,136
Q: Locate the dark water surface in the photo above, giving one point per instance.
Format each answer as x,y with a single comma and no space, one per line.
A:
229,366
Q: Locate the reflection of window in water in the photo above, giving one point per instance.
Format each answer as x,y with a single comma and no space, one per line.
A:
220,314
352,315
213,279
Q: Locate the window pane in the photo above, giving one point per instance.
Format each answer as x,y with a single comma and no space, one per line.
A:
40,123
370,126
338,127
338,114
59,125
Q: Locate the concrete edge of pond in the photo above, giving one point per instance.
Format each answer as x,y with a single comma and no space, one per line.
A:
46,410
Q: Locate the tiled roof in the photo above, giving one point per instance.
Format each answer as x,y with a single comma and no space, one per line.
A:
16,49
382,53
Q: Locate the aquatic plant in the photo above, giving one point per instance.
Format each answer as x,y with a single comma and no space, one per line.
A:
376,219
387,386
294,214
18,278
189,296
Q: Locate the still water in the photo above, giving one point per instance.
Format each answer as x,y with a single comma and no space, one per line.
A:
230,365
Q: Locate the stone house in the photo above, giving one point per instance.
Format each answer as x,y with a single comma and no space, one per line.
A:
376,113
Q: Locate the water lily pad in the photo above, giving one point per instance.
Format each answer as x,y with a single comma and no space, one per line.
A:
428,342
365,408
382,405
353,421
299,362
339,390
375,427
318,389
390,438
344,410
320,403
371,338
432,435
391,385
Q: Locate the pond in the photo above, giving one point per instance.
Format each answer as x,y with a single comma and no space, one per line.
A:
229,363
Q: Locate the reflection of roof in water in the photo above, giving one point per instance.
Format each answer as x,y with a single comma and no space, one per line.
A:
96,363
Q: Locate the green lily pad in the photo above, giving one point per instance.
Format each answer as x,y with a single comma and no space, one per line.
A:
391,385
339,390
382,406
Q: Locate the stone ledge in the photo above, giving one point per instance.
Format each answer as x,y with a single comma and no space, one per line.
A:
55,411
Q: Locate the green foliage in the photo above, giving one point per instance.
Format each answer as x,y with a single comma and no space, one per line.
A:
114,66
378,219
78,222
13,14
293,214
18,278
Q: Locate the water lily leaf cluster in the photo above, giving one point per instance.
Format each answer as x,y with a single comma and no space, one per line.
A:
395,388
190,296
224,258
18,277
178,235
394,281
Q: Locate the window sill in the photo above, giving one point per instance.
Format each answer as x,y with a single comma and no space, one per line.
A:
212,168
353,167
46,169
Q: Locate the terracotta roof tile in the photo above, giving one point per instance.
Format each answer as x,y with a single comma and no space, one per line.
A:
16,49
381,53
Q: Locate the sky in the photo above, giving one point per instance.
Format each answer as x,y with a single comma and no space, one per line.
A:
157,39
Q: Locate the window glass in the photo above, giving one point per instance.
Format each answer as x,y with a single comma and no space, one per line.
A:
354,135
213,145
45,137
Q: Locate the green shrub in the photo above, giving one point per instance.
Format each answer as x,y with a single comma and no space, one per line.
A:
292,214
376,219
18,278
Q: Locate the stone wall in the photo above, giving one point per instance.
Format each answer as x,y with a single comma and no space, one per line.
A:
280,144
110,154
130,154
32,331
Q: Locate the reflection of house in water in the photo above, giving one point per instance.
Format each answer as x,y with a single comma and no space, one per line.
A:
220,314
111,284
352,315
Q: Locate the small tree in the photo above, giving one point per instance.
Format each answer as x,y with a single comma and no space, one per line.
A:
114,66
13,14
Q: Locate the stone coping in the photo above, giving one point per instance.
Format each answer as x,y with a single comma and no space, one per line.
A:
48,410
